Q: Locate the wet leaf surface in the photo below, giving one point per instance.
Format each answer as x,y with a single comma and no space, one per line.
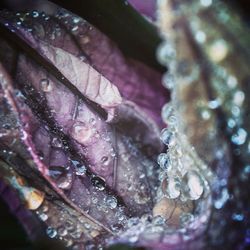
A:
96,171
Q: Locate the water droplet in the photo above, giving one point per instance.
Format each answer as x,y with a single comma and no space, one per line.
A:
232,82
224,196
76,20
81,132
92,121
158,220
214,104
62,231
205,113
238,98
192,185
206,3
163,160
43,216
231,123
239,137
35,14
186,218
75,28
87,225
133,222
166,53
168,81
166,112
218,50
111,202
57,143
166,136
62,177
172,120
238,217
69,225
51,232
133,238
200,36
104,160
46,86
81,170
98,183
173,188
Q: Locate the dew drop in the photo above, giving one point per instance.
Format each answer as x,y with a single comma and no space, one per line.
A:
218,50
173,188
239,137
57,143
35,14
158,220
46,86
163,160
81,170
111,202
62,231
62,177
206,3
98,183
200,36
238,217
43,216
238,98
81,132
166,112
186,218
76,20
166,136
166,53
192,185
104,160
232,82
168,81
51,232
75,28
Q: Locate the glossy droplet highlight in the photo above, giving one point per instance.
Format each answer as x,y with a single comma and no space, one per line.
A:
46,86
81,133
163,160
51,232
193,185
173,188
166,136
98,183
111,202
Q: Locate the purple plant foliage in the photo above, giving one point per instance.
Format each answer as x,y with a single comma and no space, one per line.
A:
56,135
147,7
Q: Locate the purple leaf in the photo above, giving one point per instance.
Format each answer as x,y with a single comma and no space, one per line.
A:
99,172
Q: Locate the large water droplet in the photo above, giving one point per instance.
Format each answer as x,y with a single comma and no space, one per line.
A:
62,176
192,185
